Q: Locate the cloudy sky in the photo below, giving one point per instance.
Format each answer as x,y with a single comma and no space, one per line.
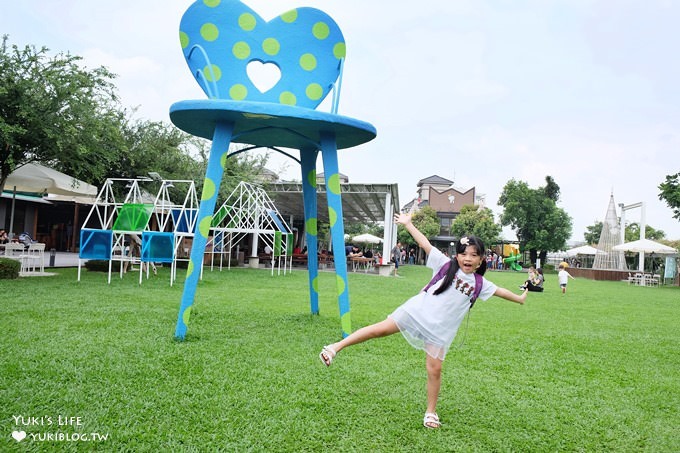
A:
475,91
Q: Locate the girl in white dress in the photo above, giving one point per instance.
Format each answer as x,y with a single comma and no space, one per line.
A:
430,320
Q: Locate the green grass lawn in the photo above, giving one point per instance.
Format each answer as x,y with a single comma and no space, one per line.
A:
596,369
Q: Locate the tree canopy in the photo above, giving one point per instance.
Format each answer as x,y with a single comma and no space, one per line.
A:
541,226
633,232
592,236
478,221
593,233
670,193
55,112
425,220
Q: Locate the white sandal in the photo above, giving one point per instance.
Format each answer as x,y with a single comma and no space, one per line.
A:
327,355
431,420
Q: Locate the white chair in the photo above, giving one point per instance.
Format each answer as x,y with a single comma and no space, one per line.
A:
14,250
639,279
33,258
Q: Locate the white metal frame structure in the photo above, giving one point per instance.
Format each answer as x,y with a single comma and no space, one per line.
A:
249,211
643,226
178,218
164,216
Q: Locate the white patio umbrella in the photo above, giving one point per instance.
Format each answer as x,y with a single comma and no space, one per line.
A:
367,238
36,178
645,246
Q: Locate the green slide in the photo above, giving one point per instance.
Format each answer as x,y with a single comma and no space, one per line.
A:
512,263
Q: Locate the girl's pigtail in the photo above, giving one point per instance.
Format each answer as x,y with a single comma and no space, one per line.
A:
448,278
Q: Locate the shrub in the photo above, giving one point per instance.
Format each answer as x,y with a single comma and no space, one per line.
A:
97,265
9,268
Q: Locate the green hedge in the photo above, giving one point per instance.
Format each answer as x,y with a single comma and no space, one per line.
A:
9,268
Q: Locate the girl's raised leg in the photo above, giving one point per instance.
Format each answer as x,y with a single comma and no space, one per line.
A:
377,330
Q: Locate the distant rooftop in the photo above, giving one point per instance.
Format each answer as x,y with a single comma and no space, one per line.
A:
435,180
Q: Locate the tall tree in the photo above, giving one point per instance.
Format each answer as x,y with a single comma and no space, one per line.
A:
425,220
593,232
540,225
477,221
633,232
54,111
670,193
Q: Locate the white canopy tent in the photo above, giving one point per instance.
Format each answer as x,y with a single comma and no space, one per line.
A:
582,250
643,246
36,178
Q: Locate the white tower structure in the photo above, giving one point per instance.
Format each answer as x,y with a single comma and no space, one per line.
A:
606,258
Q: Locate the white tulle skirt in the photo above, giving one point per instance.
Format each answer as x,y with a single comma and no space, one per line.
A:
430,322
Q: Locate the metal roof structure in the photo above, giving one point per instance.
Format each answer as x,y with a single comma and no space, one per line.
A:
360,202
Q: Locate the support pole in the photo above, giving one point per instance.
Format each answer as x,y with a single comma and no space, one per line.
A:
308,167
389,228
213,177
329,153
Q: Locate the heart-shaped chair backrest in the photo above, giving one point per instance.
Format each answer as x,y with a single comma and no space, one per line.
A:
298,54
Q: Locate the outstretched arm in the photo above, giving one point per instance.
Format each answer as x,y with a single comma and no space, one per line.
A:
421,240
512,297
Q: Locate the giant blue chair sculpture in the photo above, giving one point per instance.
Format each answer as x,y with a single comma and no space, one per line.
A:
222,40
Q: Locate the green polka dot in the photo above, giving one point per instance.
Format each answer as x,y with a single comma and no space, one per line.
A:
183,40
314,91
334,184
186,315
320,30
212,3
310,226
290,16
340,50
308,62
216,71
332,216
340,282
287,98
223,159
190,268
204,226
238,92
315,284
346,323
209,32
247,21
311,178
271,46
241,50
208,189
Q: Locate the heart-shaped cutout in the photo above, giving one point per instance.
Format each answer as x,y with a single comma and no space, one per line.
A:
221,38
19,435
263,75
